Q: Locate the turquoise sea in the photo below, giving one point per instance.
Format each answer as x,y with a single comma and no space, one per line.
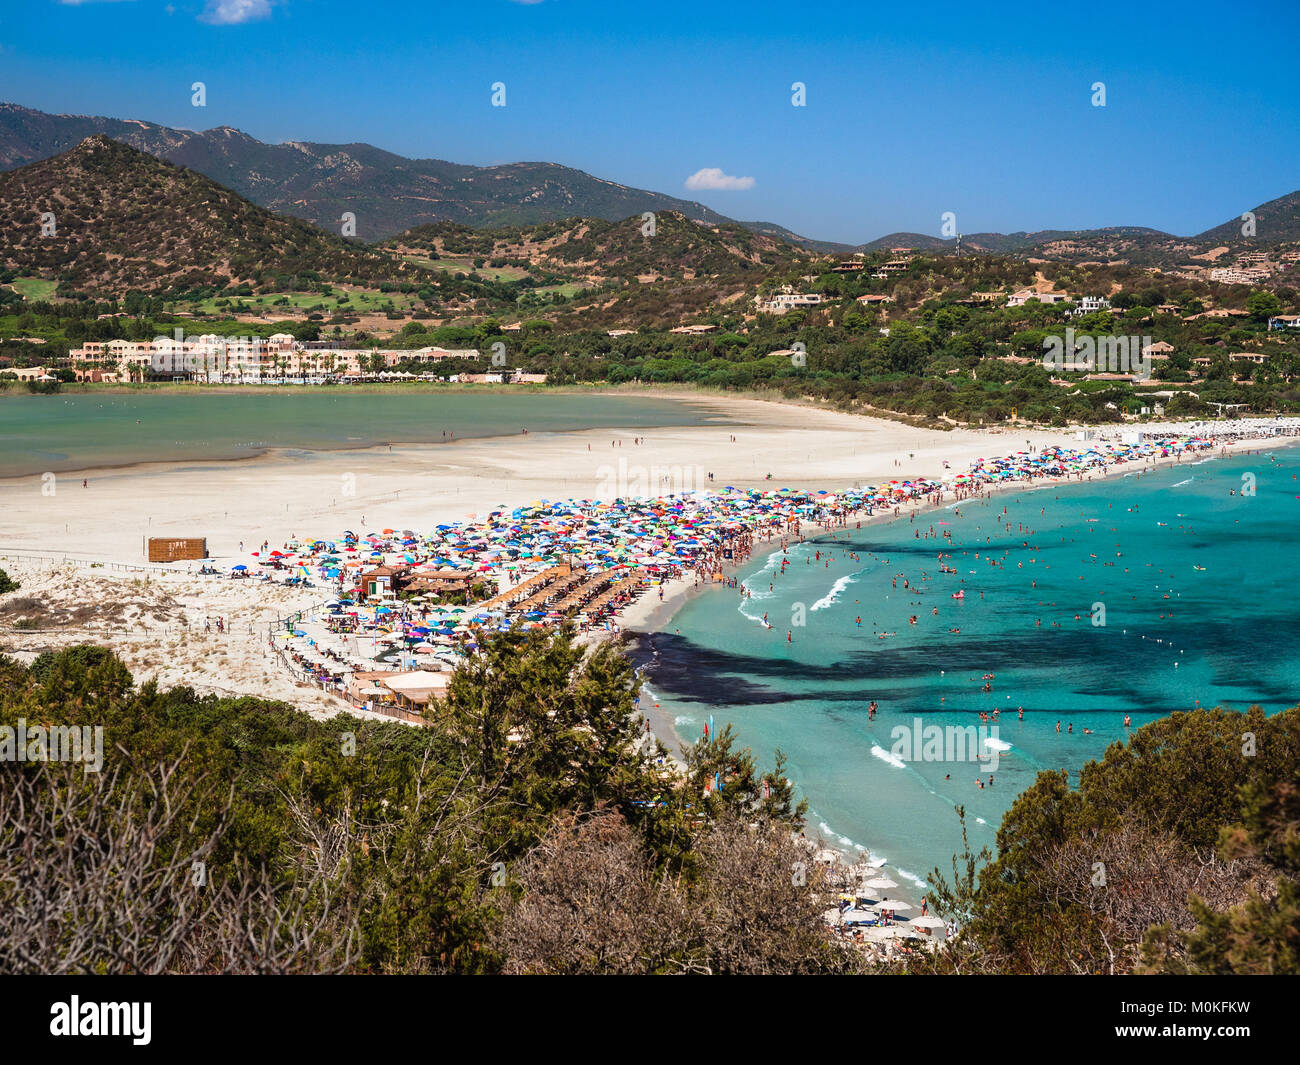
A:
74,432
1033,565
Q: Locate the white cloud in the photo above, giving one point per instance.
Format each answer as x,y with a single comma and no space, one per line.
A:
233,12
711,177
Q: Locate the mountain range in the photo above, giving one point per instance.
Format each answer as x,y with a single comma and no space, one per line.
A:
318,182
106,217
390,194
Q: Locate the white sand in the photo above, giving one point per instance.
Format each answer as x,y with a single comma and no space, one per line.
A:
156,625
278,496
149,617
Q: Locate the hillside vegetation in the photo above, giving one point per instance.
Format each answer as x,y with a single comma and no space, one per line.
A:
126,220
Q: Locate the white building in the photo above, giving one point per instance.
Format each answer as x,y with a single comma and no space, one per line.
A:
1019,299
789,301
1089,304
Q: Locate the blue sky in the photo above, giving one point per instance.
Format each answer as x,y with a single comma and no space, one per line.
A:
912,109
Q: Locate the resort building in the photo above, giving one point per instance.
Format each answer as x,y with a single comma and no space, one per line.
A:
1019,299
1237,275
1089,304
31,373
783,302
212,359
1284,321
392,358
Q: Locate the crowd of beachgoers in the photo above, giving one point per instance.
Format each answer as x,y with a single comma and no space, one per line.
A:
584,561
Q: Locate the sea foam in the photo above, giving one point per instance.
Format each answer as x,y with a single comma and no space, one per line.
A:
829,598
886,756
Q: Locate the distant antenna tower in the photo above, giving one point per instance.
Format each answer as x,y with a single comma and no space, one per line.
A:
958,245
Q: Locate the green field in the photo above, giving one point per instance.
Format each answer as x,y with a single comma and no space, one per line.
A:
34,288
455,264
567,290
359,300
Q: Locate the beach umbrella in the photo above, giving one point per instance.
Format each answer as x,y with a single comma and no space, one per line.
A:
881,883
893,905
929,921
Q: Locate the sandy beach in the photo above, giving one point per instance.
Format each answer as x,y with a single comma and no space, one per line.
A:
63,541
156,620
279,495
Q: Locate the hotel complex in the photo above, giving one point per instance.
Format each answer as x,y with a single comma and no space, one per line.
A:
212,359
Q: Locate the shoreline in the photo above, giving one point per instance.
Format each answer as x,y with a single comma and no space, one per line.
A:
493,472
278,495
659,617
720,408
286,453
176,654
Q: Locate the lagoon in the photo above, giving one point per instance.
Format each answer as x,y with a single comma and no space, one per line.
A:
65,432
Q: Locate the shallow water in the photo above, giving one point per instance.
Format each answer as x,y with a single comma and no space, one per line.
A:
1170,635
70,432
